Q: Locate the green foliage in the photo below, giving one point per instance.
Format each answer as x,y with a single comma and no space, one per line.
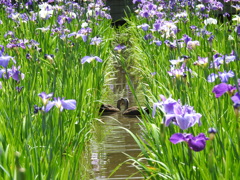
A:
51,145
160,159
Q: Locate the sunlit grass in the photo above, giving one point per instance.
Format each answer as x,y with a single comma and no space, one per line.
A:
160,158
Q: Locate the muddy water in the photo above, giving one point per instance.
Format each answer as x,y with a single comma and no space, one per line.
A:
110,141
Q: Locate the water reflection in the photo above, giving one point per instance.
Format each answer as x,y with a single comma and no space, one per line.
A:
109,144
110,141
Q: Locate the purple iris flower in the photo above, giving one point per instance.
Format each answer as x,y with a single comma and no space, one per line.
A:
238,30
212,77
224,76
172,45
192,44
90,59
63,18
96,40
196,143
4,59
182,116
236,100
222,88
148,36
135,1
157,42
186,38
45,97
12,45
144,26
201,61
156,26
211,38
14,73
218,60
9,33
84,33
176,72
166,105
119,47
61,104
179,72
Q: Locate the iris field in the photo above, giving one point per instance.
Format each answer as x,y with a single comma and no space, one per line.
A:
56,58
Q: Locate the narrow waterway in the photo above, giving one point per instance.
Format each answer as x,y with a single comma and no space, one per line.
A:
111,142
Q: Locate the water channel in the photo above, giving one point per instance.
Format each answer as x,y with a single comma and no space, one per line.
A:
110,141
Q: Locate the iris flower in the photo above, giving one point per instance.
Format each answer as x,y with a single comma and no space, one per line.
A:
196,143
182,116
14,73
236,100
96,40
224,76
222,88
45,97
4,59
181,72
201,61
144,26
90,59
193,44
61,104
119,48
221,59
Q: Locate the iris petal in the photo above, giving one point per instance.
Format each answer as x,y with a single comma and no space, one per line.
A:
69,104
177,138
49,106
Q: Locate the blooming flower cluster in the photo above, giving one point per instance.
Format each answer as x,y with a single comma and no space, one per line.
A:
175,70
183,116
233,90
7,73
224,76
219,59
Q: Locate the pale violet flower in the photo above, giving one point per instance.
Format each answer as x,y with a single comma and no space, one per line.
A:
193,44
177,61
202,61
45,97
90,59
144,26
4,59
224,76
212,77
182,116
61,104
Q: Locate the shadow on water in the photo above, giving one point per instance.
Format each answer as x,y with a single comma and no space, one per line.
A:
110,141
